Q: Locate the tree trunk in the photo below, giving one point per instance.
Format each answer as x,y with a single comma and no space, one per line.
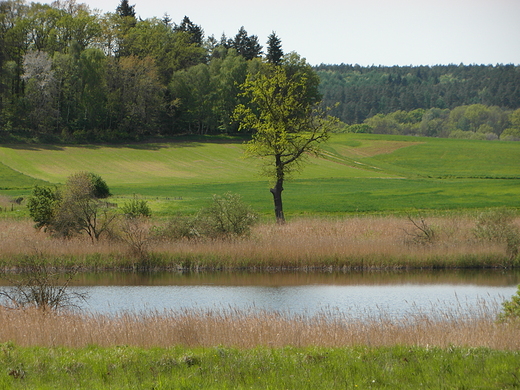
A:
277,190
277,197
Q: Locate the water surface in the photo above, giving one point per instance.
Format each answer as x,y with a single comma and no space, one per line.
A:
356,294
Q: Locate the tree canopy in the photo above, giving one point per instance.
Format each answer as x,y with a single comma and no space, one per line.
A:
283,113
68,74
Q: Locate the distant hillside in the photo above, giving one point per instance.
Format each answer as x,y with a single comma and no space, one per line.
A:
363,92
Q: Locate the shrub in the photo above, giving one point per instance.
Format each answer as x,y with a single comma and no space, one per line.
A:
136,208
423,233
227,216
41,285
74,209
100,188
43,204
511,309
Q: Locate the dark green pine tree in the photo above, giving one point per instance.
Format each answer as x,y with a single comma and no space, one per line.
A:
124,9
274,49
247,46
196,32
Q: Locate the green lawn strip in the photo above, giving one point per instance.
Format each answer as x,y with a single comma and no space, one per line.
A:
336,196
124,367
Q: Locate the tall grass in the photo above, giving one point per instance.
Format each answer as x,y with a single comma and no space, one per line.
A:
351,243
248,329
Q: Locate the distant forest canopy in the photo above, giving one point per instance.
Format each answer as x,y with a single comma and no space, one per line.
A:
68,74
441,100
71,75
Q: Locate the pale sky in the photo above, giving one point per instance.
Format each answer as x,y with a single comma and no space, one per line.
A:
365,32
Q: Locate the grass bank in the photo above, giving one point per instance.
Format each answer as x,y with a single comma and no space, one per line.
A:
125,367
342,244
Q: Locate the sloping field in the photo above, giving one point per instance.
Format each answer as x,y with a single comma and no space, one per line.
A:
431,157
156,164
356,173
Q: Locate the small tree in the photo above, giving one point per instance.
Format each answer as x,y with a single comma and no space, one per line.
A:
41,285
80,209
287,122
74,209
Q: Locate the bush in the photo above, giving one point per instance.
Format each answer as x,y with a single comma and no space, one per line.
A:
74,209
511,309
100,188
43,204
226,217
41,285
136,208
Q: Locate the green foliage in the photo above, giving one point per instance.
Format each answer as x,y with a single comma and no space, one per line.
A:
366,91
136,208
286,122
74,209
43,205
226,217
222,367
511,308
100,188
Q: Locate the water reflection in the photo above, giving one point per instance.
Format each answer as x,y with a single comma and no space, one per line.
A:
490,277
355,294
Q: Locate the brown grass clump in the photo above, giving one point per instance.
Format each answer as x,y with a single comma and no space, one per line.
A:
250,329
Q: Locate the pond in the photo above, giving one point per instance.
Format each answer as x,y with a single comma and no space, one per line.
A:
357,294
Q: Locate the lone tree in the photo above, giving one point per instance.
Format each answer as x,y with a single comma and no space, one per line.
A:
286,119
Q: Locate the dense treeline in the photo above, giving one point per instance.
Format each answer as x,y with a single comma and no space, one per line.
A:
475,121
70,74
366,91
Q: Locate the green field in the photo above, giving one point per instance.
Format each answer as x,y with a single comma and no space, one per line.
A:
124,367
357,173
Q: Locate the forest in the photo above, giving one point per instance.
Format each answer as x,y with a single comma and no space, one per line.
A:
69,74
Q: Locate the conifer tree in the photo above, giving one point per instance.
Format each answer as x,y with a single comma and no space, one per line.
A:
274,49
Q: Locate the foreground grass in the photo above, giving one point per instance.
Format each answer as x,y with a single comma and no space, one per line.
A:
123,367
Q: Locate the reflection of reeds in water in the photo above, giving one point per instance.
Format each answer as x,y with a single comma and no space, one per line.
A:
361,242
246,329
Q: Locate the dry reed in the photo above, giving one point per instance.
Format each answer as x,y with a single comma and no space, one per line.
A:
247,329
350,242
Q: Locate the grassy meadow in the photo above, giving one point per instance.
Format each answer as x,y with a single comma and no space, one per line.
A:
357,173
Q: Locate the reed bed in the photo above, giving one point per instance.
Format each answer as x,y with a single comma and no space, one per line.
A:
356,242
249,328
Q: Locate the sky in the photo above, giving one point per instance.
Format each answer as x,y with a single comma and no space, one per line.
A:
364,32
